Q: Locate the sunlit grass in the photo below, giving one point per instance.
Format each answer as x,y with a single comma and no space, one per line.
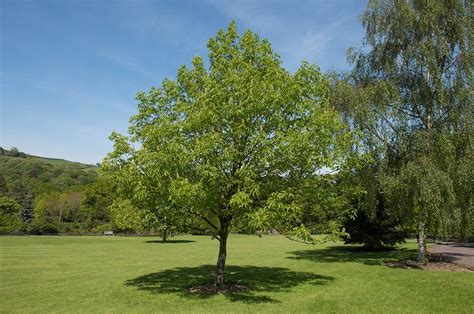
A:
132,274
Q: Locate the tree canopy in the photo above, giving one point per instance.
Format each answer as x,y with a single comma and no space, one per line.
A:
410,92
233,144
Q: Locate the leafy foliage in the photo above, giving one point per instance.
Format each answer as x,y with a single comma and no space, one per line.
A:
9,215
47,190
232,145
410,93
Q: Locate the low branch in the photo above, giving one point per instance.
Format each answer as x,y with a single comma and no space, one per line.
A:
212,225
293,239
204,231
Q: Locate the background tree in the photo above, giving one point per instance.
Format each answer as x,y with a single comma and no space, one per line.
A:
9,215
26,210
9,206
3,186
415,68
373,223
62,207
14,152
126,217
96,201
371,220
232,144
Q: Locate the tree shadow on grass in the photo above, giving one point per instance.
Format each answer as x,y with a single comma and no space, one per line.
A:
355,254
258,280
169,241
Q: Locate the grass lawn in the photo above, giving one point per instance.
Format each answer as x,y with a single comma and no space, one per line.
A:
130,274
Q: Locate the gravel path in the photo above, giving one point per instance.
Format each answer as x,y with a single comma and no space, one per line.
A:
456,253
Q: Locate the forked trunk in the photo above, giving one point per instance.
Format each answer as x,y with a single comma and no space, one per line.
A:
421,244
221,260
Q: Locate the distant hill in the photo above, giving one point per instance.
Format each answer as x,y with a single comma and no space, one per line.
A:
14,153
21,174
64,162
49,195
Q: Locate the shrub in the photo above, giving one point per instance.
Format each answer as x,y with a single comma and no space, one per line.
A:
9,223
103,227
374,232
40,226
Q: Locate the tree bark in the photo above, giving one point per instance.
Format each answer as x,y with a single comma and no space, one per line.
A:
421,243
219,283
463,224
422,258
165,235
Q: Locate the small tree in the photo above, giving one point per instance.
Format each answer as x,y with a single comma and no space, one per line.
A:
125,217
232,145
374,224
8,205
14,152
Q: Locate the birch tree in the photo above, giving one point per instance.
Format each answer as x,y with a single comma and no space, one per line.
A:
415,67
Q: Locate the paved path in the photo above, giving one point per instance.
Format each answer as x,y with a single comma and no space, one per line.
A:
456,253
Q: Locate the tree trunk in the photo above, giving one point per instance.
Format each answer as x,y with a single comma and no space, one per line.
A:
421,243
422,253
464,222
165,235
221,258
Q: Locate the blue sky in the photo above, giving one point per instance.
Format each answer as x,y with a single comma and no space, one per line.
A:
70,69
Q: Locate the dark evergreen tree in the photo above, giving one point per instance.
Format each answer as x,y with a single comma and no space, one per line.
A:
379,229
26,211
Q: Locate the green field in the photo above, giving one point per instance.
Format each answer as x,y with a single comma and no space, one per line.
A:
141,274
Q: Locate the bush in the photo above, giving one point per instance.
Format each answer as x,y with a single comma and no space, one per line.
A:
103,227
9,223
374,233
39,227
376,230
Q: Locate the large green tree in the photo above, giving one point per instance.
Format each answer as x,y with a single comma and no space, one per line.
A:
413,79
231,144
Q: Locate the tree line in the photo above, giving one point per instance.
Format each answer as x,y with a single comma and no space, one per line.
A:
51,196
37,196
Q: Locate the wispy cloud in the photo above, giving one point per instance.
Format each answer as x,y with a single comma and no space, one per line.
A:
67,95
313,44
79,119
63,100
299,30
128,62
155,21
